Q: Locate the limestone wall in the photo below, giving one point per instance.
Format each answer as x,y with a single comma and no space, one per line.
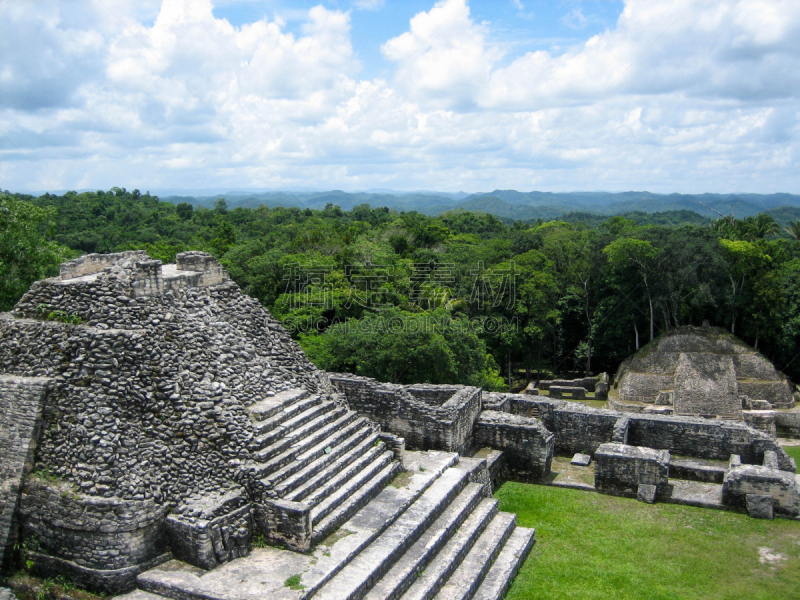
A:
526,444
102,543
21,403
149,396
429,417
581,428
620,469
705,384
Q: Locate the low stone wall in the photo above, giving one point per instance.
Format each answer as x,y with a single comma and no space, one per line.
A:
621,469
586,383
581,428
90,537
745,483
788,423
89,264
21,403
428,417
212,529
526,444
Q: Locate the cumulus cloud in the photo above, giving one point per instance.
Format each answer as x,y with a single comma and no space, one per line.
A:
677,96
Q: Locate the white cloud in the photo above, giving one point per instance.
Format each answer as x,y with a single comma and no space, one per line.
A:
678,96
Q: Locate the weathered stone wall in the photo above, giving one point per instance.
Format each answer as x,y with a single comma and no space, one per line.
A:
89,264
708,368
92,537
212,529
526,444
149,395
586,383
620,469
581,428
21,402
705,384
576,429
429,417
780,487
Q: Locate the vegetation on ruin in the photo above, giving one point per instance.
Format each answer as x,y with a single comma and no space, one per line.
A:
595,547
457,298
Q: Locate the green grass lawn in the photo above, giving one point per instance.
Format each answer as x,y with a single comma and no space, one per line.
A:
591,546
794,452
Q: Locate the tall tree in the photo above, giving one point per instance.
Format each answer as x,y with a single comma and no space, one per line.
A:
26,253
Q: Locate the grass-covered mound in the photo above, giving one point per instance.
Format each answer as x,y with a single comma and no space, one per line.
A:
591,546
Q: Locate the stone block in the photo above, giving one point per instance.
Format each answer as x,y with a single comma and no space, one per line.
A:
211,529
581,460
771,459
285,523
646,492
620,469
531,389
746,480
759,506
763,420
601,390
527,444
620,434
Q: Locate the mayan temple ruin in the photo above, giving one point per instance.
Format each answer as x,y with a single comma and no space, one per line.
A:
163,433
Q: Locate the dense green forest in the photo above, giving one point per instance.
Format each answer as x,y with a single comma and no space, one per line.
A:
459,297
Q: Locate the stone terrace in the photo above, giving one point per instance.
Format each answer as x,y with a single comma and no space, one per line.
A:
180,421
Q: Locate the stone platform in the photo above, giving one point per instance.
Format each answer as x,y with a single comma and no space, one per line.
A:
434,531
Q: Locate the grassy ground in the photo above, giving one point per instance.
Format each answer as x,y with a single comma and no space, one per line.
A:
794,452
591,546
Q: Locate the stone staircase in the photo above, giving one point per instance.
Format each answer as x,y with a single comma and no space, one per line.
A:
433,532
316,456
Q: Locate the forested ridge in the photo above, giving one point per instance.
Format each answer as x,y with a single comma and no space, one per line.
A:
459,297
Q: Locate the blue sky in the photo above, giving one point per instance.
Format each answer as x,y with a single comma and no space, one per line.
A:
473,95
520,26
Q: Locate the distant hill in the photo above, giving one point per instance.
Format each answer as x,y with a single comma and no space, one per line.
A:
511,205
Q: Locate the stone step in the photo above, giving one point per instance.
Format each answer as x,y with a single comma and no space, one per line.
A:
406,570
309,432
335,475
355,580
264,409
325,505
297,454
507,564
349,504
345,543
266,425
449,558
469,575
358,434
261,574
281,425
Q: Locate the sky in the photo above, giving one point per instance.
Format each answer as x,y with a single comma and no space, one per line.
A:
450,95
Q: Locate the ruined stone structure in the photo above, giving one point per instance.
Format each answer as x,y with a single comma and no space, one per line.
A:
159,425
154,412
702,371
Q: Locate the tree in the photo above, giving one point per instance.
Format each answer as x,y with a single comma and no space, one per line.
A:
626,252
26,254
793,229
745,260
401,347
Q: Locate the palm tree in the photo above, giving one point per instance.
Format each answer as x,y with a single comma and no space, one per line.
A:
793,229
765,225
